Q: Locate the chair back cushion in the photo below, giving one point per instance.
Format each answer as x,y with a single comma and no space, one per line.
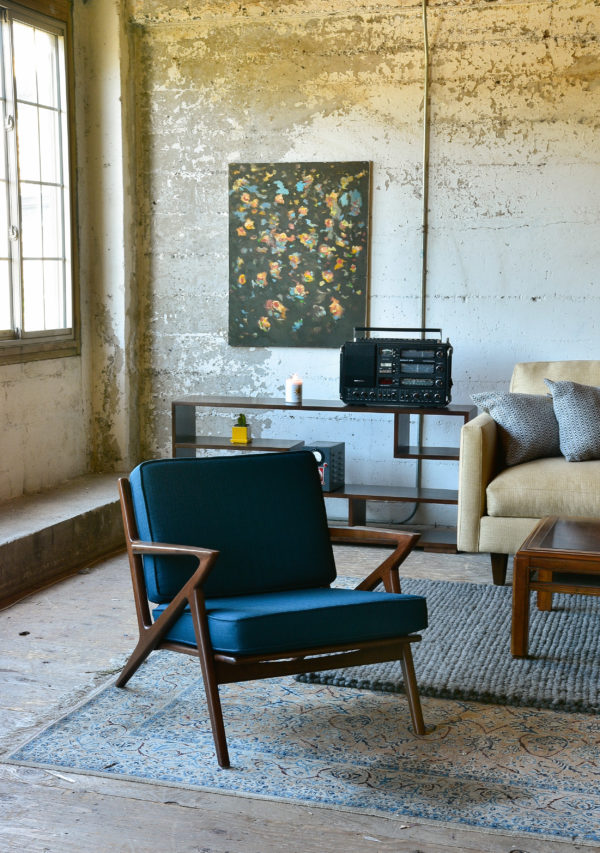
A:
265,514
528,376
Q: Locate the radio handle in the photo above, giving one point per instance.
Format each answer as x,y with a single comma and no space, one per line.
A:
390,329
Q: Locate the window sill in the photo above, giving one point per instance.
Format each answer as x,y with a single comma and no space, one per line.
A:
13,352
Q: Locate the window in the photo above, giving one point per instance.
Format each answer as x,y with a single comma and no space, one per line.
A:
36,275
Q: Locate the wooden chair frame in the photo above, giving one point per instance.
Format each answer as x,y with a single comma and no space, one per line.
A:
218,668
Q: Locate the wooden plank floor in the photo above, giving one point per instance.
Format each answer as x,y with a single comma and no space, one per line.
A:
59,644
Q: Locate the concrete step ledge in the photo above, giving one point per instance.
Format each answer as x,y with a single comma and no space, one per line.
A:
47,536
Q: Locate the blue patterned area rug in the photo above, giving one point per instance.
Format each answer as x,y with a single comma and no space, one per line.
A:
465,651
517,770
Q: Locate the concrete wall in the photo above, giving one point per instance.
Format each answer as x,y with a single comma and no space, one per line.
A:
169,94
514,228
65,417
43,425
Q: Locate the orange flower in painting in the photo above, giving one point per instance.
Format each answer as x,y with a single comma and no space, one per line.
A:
242,279
241,232
279,198
245,197
335,309
277,307
327,275
339,264
303,210
299,292
308,240
264,324
249,224
261,278
308,276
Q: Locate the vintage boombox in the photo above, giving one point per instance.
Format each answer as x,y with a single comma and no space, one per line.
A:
412,372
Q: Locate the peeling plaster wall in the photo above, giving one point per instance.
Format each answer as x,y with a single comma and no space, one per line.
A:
106,181
514,240
42,425
63,418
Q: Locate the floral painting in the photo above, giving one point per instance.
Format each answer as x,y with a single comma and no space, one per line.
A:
298,253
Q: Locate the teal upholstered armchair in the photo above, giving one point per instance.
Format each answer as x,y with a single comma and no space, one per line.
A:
235,556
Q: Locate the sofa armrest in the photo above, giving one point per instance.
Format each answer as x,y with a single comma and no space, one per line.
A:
476,467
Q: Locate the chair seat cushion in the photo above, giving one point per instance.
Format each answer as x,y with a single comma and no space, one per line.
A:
283,621
546,487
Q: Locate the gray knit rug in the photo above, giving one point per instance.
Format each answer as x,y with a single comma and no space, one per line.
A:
465,651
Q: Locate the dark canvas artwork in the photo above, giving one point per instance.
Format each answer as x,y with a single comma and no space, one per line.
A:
298,253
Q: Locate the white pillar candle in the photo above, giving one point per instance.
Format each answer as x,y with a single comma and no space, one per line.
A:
293,389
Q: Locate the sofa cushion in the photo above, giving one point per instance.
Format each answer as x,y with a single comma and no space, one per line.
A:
284,621
546,487
527,424
577,410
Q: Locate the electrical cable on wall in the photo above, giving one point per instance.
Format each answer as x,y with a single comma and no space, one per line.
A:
424,225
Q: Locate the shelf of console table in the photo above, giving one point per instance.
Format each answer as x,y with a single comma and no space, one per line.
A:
186,442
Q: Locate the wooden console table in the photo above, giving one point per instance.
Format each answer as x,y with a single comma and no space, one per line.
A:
186,442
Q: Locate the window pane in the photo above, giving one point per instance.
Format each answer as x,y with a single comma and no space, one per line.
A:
33,295
5,313
3,145
50,149
3,219
31,220
52,244
28,140
24,60
45,55
43,292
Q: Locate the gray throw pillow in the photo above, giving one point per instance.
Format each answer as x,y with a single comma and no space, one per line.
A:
577,409
528,425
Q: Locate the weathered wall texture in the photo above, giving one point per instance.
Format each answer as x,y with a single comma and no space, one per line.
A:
171,93
42,425
62,418
515,167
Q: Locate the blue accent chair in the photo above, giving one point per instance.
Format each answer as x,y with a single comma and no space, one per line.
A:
231,560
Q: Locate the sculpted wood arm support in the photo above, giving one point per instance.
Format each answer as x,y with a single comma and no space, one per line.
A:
387,572
151,633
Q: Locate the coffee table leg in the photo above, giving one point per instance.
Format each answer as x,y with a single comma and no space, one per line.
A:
544,598
520,608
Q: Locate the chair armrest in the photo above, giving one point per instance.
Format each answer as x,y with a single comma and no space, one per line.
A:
477,466
387,572
205,556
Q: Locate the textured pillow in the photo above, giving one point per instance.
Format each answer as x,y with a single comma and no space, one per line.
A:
577,410
528,425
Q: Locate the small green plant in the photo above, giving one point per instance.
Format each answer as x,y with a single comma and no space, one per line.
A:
241,421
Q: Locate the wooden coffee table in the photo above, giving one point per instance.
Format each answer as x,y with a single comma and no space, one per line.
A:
559,555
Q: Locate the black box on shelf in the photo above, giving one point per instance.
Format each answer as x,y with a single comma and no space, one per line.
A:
331,458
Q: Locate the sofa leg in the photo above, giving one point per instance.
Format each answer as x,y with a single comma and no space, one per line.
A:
499,566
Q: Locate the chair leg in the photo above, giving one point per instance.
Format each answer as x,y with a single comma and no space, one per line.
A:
140,653
211,688
499,566
412,691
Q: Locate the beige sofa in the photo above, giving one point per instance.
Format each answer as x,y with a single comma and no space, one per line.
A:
498,506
